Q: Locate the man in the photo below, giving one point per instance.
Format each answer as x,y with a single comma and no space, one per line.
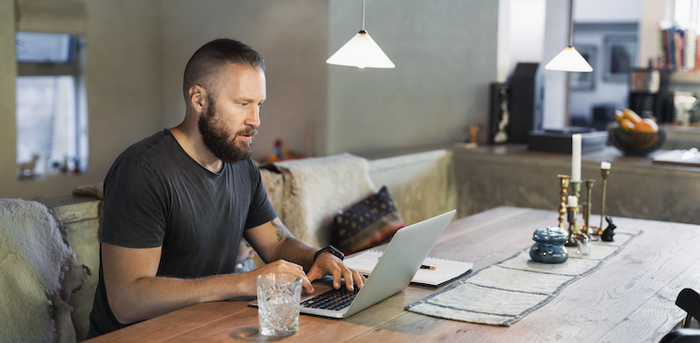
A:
177,203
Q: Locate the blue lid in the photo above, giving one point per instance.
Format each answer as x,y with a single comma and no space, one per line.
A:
551,235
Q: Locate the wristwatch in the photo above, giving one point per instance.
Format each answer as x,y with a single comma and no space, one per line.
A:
331,249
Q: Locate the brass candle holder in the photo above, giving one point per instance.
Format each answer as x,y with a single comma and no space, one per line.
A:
564,185
576,188
604,172
572,212
587,206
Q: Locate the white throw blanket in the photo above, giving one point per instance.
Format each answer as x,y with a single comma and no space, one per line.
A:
315,189
39,272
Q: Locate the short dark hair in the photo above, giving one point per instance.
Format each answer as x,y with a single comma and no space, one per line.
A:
211,57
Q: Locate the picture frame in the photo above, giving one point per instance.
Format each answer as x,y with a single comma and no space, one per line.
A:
620,56
585,81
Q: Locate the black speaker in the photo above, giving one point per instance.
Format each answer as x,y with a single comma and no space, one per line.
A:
526,101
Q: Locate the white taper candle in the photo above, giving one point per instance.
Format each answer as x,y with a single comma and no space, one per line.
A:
576,157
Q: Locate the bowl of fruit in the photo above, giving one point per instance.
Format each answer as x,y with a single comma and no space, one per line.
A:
634,135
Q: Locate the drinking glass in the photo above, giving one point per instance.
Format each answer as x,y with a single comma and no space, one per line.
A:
278,304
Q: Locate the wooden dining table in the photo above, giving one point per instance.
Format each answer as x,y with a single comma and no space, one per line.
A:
630,298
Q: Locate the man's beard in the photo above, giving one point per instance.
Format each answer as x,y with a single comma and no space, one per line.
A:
220,142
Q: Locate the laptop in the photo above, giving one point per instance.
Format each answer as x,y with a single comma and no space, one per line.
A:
394,271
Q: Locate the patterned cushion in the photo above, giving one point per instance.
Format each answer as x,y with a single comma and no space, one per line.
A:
367,223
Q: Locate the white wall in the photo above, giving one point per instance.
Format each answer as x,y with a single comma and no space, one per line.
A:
606,11
556,38
652,12
445,57
520,34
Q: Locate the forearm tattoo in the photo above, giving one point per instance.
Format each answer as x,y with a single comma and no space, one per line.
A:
281,231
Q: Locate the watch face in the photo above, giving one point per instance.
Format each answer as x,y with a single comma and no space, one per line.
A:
339,254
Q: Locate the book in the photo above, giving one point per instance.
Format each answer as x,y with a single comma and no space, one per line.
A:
690,49
443,272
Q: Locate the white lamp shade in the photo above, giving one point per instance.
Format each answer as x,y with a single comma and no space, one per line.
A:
361,51
569,60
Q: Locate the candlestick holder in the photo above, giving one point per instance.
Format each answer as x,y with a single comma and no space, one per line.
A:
584,229
564,185
604,172
587,206
572,214
576,188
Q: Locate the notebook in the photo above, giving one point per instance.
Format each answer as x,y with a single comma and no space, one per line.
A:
434,272
393,272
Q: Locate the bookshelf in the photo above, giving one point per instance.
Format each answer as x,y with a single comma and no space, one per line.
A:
685,77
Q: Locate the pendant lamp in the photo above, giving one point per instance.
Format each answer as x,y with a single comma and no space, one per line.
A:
361,51
569,59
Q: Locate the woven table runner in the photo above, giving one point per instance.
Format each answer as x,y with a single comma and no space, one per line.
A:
505,292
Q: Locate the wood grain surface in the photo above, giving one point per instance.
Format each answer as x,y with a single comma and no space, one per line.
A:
629,299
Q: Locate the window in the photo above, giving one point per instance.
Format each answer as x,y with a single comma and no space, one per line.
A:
51,105
686,13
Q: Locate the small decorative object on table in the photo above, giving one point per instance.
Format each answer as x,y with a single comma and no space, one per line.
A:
584,245
550,245
608,234
473,133
572,216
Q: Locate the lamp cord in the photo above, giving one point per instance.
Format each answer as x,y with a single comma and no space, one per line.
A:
363,15
571,23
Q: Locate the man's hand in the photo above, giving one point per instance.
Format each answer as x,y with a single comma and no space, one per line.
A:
327,263
273,242
282,267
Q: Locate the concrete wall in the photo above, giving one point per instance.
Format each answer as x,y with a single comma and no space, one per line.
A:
445,57
123,86
291,35
8,70
444,52
509,175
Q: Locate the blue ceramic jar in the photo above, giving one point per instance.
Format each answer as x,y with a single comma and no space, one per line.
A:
549,246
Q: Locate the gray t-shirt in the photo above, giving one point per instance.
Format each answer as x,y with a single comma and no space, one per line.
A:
156,195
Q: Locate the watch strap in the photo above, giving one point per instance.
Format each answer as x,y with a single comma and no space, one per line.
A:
331,249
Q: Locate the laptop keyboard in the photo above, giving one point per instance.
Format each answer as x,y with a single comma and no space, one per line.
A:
335,299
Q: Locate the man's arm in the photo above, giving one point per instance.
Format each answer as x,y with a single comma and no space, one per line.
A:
135,293
273,242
